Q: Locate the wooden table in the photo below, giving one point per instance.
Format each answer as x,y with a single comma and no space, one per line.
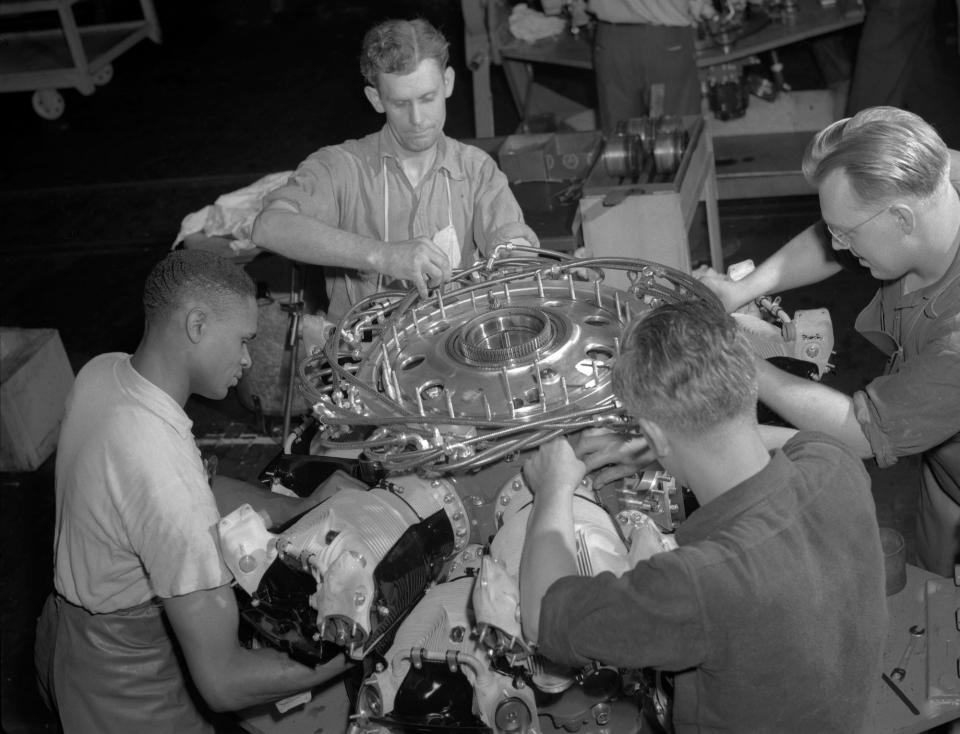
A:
575,51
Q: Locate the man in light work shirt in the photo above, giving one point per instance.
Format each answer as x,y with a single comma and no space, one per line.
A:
406,203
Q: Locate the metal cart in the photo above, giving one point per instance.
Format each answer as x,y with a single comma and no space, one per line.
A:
69,56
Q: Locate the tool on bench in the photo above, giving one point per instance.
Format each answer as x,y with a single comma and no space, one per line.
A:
900,670
900,694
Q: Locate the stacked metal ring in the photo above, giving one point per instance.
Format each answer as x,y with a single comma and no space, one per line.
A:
642,141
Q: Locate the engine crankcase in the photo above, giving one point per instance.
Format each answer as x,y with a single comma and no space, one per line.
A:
350,569
436,674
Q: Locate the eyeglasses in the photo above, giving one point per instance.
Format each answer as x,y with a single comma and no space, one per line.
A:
844,237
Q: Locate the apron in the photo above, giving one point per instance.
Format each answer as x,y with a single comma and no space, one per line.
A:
113,673
446,239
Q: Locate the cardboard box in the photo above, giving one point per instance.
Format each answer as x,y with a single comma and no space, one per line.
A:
35,378
549,156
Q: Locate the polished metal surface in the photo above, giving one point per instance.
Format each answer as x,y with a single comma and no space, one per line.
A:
512,352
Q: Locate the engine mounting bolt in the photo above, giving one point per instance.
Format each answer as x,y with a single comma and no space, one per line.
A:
461,532
456,634
448,498
517,484
254,602
359,598
383,610
601,713
380,667
504,499
315,637
435,483
457,515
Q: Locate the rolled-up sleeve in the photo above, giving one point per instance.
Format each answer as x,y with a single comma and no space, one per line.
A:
312,187
496,212
917,407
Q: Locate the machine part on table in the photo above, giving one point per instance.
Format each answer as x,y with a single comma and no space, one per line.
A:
644,147
727,92
513,352
726,21
623,156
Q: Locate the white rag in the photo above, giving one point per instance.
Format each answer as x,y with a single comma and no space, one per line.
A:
531,25
232,214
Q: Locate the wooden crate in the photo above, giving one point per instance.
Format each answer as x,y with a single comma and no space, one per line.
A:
35,378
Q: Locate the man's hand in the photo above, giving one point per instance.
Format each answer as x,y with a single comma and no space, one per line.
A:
554,469
227,675
419,261
615,455
727,290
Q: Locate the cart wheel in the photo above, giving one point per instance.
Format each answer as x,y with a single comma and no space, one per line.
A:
103,76
48,103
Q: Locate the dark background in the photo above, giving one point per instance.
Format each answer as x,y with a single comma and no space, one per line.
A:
88,204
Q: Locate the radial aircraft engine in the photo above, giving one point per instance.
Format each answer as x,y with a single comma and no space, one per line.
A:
423,411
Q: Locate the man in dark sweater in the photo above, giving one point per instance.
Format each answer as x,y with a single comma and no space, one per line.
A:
772,611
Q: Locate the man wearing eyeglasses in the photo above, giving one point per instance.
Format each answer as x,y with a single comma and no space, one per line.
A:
889,199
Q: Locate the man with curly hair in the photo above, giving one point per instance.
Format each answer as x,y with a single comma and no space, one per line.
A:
406,203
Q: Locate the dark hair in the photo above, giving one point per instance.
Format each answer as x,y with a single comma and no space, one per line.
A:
687,367
187,274
398,47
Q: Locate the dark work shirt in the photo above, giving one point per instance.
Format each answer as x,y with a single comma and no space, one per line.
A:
773,606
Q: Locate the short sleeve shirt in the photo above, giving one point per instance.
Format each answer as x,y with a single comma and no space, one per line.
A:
136,518
347,185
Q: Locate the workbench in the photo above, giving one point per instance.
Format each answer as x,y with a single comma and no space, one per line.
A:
932,680
766,163
931,669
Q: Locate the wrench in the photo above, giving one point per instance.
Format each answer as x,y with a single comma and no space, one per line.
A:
900,671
